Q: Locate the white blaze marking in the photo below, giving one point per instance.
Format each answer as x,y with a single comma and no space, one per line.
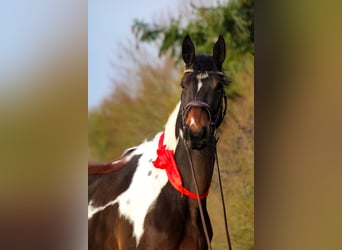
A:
199,86
139,198
200,77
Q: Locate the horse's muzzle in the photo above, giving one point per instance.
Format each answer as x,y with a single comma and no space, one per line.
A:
197,124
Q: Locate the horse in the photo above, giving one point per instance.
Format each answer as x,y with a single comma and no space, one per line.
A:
154,195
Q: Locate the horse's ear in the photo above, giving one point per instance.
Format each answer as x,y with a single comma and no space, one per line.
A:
188,51
219,52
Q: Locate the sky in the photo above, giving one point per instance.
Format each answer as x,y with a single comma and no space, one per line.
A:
31,31
109,22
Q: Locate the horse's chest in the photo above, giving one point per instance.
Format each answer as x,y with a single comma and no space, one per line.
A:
170,232
170,225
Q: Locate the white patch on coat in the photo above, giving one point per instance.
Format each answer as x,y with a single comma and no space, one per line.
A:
144,189
170,139
138,199
147,181
93,210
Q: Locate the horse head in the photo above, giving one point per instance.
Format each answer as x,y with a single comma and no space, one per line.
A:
203,99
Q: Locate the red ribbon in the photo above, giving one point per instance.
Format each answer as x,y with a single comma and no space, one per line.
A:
166,160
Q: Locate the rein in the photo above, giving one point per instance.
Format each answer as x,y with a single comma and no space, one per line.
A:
199,200
222,199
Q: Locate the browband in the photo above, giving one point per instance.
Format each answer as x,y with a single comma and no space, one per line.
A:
208,72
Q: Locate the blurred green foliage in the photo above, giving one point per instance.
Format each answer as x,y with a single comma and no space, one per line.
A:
233,19
136,111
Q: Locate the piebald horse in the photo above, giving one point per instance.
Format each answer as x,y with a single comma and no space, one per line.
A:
147,198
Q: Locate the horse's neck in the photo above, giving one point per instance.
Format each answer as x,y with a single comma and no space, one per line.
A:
203,163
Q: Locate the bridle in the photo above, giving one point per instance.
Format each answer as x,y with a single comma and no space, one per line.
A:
214,125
